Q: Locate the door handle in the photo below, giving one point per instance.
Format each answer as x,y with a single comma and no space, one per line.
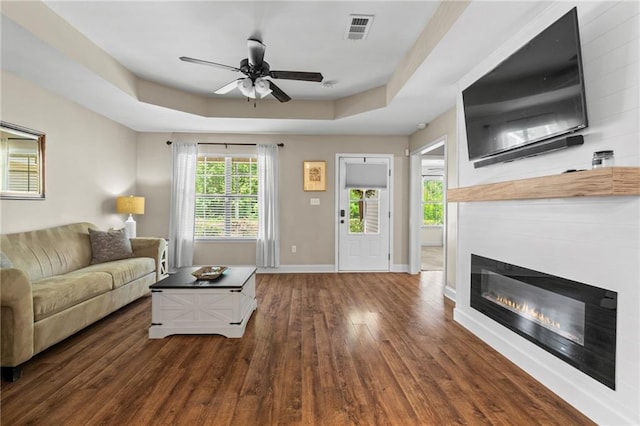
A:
342,213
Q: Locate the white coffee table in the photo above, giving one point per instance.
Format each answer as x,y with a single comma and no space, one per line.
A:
181,304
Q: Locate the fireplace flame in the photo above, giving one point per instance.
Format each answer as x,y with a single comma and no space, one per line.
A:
524,308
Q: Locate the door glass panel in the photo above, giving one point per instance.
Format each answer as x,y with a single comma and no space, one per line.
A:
364,211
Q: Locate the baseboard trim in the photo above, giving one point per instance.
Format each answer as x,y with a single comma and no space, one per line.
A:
450,293
320,269
298,269
400,267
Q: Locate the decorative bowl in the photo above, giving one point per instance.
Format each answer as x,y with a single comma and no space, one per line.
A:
209,272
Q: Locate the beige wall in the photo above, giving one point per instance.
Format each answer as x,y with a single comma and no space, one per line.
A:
445,125
310,228
89,160
154,183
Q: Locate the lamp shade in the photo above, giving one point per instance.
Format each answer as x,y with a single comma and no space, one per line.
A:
130,205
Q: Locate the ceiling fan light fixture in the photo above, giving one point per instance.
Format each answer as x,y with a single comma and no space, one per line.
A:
262,87
246,88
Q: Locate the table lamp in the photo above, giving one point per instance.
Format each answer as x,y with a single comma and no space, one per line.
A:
130,205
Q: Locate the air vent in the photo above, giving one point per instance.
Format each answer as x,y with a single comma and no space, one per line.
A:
359,26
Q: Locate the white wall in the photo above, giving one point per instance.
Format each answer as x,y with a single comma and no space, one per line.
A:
89,160
431,235
592,240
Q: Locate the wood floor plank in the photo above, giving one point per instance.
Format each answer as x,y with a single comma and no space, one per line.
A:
321,349
412,390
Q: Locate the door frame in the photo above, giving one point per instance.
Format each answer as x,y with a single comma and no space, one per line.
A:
336,209
415,205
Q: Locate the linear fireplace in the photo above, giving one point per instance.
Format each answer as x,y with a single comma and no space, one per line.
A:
574,321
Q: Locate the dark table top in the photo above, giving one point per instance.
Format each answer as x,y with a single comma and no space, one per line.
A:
233,277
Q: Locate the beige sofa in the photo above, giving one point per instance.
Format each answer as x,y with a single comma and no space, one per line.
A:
50,289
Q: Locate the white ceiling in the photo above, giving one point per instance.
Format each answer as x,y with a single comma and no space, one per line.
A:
147,37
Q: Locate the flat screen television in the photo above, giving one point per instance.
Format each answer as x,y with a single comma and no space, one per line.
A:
534,95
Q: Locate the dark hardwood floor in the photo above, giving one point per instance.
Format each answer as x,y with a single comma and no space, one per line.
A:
325,349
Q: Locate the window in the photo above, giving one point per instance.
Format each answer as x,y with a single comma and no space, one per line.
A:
432,206
226,197
364,211
22,170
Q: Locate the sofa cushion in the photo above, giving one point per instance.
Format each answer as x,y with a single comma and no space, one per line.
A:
109,245
48,252
122,271
57,293
5,262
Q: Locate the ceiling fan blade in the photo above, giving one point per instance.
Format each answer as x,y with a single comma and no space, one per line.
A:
296,75
212,64
227,87
256,52
278,93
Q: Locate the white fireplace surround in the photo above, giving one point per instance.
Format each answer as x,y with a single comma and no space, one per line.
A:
594,240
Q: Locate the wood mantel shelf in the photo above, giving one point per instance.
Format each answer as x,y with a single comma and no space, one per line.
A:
608,181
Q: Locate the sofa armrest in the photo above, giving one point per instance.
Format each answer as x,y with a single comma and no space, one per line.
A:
155,248
16,317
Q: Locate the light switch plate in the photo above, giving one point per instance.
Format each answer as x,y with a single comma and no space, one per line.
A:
314,201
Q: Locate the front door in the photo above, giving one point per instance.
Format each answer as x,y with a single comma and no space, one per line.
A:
363,214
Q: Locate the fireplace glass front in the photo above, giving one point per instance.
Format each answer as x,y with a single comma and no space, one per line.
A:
574,321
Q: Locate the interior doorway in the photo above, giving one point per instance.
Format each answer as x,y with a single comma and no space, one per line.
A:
432,208
428,215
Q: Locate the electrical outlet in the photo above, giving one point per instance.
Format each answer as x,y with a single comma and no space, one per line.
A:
294,249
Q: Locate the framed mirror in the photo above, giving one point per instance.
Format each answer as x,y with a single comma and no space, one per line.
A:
21,162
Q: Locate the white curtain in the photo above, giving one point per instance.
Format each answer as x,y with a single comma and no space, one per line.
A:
268,243
183,200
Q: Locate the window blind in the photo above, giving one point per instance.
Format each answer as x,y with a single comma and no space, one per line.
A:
366,175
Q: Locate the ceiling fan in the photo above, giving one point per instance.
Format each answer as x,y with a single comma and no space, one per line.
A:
258,74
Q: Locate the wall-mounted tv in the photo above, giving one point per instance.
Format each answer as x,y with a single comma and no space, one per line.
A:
534,95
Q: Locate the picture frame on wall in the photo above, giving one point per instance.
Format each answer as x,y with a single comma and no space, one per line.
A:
314,176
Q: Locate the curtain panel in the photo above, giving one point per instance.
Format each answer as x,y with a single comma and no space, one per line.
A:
183,199
268,242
